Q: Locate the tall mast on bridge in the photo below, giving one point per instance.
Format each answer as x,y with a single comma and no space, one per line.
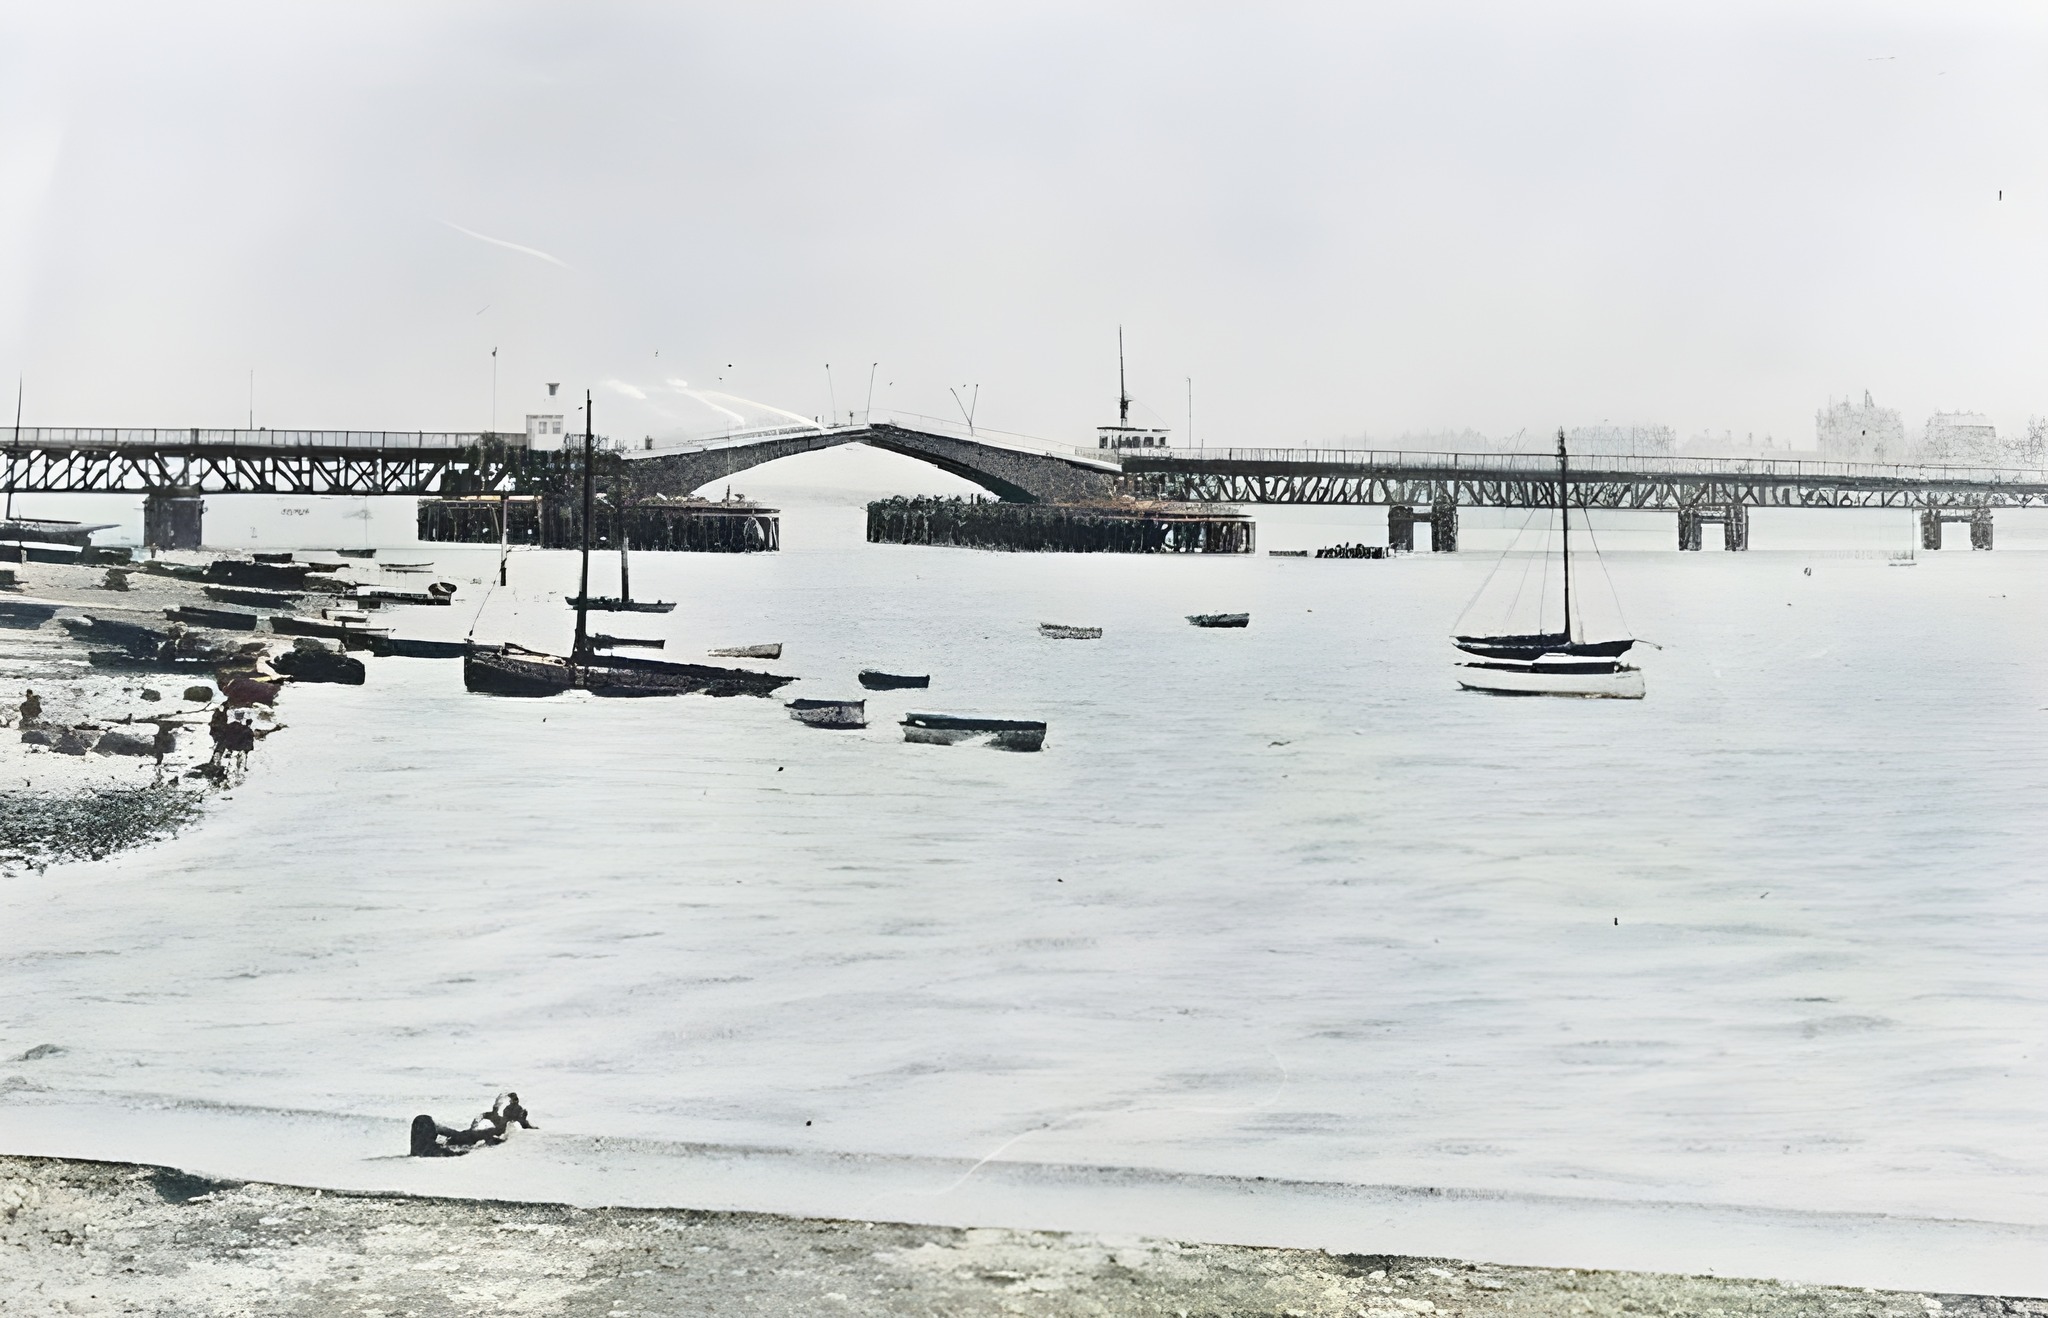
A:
1123,395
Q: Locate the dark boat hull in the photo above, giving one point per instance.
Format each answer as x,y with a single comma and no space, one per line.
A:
1220,619
952,729
225,619
606,604
498,673
879,681
407,648
1534,646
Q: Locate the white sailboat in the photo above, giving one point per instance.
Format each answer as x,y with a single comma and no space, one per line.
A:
1543,663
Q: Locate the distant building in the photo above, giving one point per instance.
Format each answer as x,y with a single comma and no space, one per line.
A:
1963,439
1624,441
1847,432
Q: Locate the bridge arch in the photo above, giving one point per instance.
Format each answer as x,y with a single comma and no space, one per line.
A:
1013,475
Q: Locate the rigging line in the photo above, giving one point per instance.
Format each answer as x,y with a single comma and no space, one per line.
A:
480,611
1459,625
1522,582
1543,598
1612,594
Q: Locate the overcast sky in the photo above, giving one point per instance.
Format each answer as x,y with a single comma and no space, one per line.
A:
1336,219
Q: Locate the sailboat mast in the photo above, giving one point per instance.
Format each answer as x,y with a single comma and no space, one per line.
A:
1564,516
582,649
625,581
1123,395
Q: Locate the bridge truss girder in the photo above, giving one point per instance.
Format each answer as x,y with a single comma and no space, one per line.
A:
241,469
1634,492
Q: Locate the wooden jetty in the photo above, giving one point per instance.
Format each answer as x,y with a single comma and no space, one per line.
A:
660,523
1111,526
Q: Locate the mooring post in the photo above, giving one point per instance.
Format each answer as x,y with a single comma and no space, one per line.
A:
1443,527
1735,530
1980,529
1400,529
172,519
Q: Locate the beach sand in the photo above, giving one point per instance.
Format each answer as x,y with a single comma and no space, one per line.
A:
110,1238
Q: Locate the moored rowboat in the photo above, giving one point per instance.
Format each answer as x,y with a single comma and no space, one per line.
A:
952,729
829,713
1060,631
1220,619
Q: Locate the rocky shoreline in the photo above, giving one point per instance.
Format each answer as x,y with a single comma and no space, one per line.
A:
109,1238
116,679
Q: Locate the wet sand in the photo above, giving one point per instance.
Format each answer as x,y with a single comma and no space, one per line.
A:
111,1238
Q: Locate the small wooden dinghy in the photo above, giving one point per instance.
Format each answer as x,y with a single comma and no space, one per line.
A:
25,613
405,647
1220,619
770,651
260,599
227,619
357,553
1060,631
876,680
829,713
334,629
270,558
610,604
602,642
952,729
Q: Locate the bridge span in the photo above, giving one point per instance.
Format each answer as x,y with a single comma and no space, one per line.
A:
1414,486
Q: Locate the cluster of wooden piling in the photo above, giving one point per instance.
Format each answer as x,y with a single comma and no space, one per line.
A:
1123,526
659,522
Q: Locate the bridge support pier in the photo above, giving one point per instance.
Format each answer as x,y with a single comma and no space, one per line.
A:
1441,519
1734,520
171,519
1931,520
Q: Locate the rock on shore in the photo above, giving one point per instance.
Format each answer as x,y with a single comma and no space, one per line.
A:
101,1238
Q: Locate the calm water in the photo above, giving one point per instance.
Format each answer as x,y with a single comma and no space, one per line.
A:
1276,902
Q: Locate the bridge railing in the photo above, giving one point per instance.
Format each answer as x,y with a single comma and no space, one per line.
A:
1595,465
200,436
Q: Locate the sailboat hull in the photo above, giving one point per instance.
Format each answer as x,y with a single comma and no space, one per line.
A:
515,673
1587,680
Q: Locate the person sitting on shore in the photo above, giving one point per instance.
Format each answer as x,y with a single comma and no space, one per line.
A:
31,709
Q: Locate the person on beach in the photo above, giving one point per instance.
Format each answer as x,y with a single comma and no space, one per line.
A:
431,1139
31,709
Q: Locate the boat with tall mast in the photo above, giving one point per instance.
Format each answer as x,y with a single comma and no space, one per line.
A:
1566,662
514,670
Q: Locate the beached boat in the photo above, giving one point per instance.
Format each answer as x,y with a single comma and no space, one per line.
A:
1060,631
405,647
257,557
261,599
514,670
602,642
876,680
38,551
333,629
23,612
610,604
50,531
1565,662
770,651
829,713
407,567
1220,619
357,553
228,619
952,729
